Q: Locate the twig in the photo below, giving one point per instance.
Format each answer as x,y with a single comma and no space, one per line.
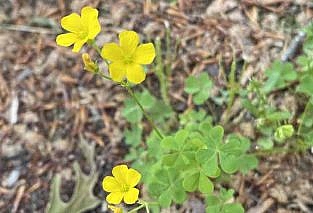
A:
294,46
29,29
19,195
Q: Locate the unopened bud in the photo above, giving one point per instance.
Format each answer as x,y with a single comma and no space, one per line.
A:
89,64
283,132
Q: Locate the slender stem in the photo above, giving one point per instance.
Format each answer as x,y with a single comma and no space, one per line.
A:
277,150
102,75
93,44
137,208
303,114
132,94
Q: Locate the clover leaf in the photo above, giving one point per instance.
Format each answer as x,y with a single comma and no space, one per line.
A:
229,155
220,203
167,187
199,87
196,179
305,85
133,135
278,75
179,151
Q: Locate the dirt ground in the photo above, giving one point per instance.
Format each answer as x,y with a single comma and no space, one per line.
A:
48,103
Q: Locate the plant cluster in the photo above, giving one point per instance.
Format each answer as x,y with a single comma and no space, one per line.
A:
198,155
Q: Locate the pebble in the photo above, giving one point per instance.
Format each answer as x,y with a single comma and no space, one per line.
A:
12,178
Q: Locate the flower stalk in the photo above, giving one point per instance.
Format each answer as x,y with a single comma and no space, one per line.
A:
132,94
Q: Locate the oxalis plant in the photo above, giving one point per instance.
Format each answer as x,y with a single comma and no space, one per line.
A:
186,152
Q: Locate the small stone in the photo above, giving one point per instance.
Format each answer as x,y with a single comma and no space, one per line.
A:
12,178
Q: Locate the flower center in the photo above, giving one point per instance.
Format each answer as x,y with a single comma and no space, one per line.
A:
125,188
82,34
128,59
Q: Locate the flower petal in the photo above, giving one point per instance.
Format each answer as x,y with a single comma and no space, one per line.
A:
117,71
109,184
128,41
115,197
131,196
133,177
144,54
135,73
120,172
112,52
66,39
72,23
89,18
78,45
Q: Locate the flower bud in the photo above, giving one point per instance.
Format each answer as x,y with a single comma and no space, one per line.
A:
283,132
89,64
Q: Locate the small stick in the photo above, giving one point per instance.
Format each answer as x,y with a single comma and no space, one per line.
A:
294,46
19,195
29,29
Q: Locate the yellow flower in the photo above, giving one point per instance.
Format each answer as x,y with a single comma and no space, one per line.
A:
115,209
81,28
121,185
127,57
89,64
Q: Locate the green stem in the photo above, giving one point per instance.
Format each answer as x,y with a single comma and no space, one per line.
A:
132,94
303,114
277,150
102,75
93,44
137,208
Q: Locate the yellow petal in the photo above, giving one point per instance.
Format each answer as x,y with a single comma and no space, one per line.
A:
133,177
129,41
112,52
89,18
115,197
120,172
131,196
78,45
109,184
135,73
66,39
144,54
72,23
117,71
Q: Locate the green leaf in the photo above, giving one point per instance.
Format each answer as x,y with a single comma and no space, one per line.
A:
179,151
159,112
233,207
165,198
146,99
191,182
233,152
166,186
131,111
265,143
199,87
220,203
197,180
248,162
133,135
305,85
205,184
278,116
279,74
